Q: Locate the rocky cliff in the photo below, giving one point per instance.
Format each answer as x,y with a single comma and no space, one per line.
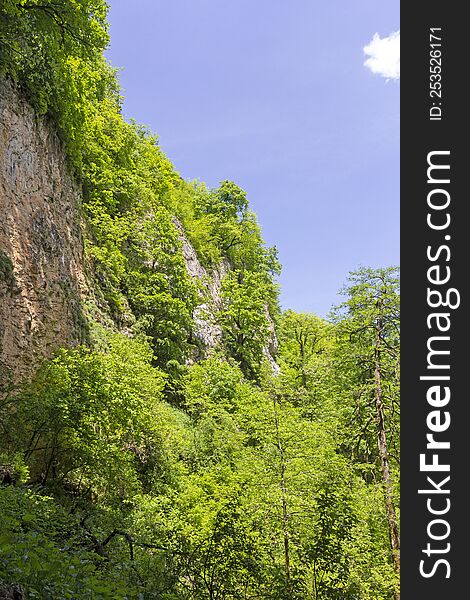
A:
43,283
41,247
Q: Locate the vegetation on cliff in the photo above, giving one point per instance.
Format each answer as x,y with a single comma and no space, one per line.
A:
142,465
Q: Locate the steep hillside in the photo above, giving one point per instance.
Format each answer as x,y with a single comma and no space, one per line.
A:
48,295
165,430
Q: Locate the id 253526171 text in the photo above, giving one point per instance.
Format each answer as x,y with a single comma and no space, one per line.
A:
435,73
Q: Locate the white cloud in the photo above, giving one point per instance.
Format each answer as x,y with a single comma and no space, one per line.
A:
384,55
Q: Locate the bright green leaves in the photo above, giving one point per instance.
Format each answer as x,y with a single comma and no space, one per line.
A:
368,324
45,550
367,368
247,491
54,51
259,444
305,356
124,169
92,418
367,551
216,395
158,288
228,202
245,317
213,385
220,226
133,241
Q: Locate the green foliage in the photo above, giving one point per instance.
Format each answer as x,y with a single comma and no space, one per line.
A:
305,356
53,50
133,243
367,368
92,419
268,442
371,573
6,268
43,549
245,317
158,287
368,330
255,486
208,498
13,468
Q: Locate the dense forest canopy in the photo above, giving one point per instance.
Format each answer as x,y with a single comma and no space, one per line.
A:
140,465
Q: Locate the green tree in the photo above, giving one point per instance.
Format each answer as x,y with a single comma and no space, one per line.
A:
305,356
158,288
368,330
53,50
93,419
245,318
307,498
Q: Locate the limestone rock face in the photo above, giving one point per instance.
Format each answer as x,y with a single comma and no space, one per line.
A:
271,348
41,246
207,330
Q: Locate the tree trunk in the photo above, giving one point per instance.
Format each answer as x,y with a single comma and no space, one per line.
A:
392,521
285,515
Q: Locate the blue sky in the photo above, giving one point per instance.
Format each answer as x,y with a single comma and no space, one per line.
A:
274,95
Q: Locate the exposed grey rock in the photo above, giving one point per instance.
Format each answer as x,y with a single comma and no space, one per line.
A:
40,237
205,315
208,331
